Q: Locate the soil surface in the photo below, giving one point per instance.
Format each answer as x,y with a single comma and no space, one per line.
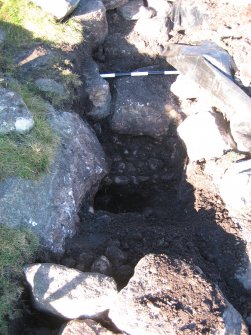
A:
154,214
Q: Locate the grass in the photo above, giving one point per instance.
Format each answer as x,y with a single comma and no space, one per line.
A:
17,247
25,23
29,155
25,26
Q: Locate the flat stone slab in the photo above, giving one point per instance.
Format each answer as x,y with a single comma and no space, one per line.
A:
15,117
144,106
69,293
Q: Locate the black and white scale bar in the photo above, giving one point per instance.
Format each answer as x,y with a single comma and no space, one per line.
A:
138,74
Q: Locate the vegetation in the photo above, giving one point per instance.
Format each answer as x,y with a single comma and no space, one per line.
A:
24,30
26,27
28,155
17,247
25,24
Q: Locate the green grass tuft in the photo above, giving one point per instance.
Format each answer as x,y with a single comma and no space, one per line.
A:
18,246
25,23
28,155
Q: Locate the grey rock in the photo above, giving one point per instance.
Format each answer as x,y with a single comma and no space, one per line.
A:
49,206
92,15
85,260
116,255
50,86
189,13
163,8
235,189
148,305
112,4
205,135
132,10
84,327
144,106
69,293
2,36
14,114
102,265
58,8
216,83
150,36
97,90
116,45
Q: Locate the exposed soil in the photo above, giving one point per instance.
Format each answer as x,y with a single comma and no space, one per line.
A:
154,209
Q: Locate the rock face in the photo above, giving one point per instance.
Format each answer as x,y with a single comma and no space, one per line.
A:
14,114
150,35
140,113
92,15
84,327
205,135
132,10
235,189
49,206
97,90
155,302
216,83
58,8
69,293
112,4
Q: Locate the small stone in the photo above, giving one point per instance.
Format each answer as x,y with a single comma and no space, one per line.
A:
102,265
116,255
14,114
85,259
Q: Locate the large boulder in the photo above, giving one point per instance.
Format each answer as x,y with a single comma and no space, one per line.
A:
15,117
210,68
144,106
69,293
231,174
49,205
92,15
168,296
205,135
150,36
58,8
84,327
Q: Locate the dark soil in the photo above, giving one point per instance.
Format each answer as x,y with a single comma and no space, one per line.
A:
153,208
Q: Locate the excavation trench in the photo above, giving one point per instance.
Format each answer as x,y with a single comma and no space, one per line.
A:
146,205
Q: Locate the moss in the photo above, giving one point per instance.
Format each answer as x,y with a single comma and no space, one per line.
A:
18,246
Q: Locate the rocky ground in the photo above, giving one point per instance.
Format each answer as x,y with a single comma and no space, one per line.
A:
153,200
